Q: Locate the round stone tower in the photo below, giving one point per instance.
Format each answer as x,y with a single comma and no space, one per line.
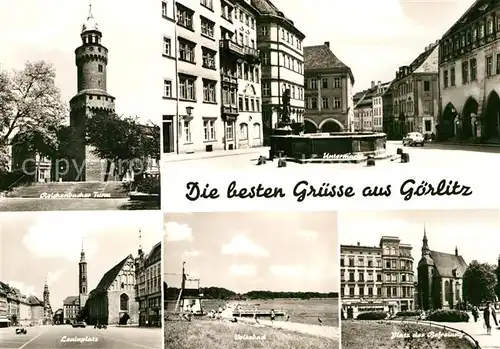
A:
91,61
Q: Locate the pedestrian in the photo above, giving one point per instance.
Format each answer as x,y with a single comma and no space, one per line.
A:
475,313
486,315
273,316
494,315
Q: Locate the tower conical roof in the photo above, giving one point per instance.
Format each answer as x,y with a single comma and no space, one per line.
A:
90,24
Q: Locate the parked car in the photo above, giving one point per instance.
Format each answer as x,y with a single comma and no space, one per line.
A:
413,139
79,324
21,330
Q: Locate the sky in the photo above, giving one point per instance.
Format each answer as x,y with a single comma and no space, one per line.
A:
473,232
245,251
50,30
39,245
374,38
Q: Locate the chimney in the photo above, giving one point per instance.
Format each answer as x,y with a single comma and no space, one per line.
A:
327,44
456,251
359,244
379,83
373,84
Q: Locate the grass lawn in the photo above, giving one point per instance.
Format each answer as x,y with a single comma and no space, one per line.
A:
374,334
34,204
221,335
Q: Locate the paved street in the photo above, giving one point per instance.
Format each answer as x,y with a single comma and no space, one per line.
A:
432,155
64,336
478,332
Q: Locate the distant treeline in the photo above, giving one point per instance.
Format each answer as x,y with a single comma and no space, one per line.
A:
223,293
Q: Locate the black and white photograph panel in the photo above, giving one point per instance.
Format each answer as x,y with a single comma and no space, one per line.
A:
74,279
79,129
282,87
420,279
251,280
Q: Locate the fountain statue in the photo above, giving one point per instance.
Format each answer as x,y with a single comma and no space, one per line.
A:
289,142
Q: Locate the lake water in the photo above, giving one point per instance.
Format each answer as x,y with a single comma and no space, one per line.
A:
302,311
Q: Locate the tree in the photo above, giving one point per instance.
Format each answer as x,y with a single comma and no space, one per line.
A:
479,283
30,102
122,141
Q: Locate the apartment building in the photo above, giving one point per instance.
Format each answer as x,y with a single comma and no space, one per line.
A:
376,278
282,65
378,105
363,109
169,107
415,92
328,91
469,74
240,77
212,88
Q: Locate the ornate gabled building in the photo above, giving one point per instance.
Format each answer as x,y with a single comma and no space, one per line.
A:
282,65
328,91
415,93
148,286
113,301
363,110
469,71
440,283
91,61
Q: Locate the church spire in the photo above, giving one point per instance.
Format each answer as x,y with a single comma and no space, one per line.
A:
90,10
425,244
140,242
456,250
82,254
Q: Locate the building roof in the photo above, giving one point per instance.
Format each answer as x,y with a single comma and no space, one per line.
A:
417,62
266,7
33,300
478,8
321,57
155,252
110,276
71,300
447,262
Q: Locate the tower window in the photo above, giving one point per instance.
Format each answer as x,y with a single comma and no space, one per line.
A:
100,68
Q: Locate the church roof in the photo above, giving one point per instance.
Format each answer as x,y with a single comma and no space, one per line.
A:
71,300
321,57
446,262
110,277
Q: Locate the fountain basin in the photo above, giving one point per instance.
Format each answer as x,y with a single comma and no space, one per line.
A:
335,147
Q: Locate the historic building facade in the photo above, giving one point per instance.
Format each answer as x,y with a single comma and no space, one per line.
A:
282,65
469,66
211,92
18,309
47,308
440,283
328,91
378,105
376,278
363,110
59,317
148,287
415,92
113,301
388,113
71,309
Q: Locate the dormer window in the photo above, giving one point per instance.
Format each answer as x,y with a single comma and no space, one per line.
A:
490,27
474,35
481,31
462,41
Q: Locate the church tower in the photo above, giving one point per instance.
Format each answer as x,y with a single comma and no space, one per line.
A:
91,61
425,276
47,309
82,279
